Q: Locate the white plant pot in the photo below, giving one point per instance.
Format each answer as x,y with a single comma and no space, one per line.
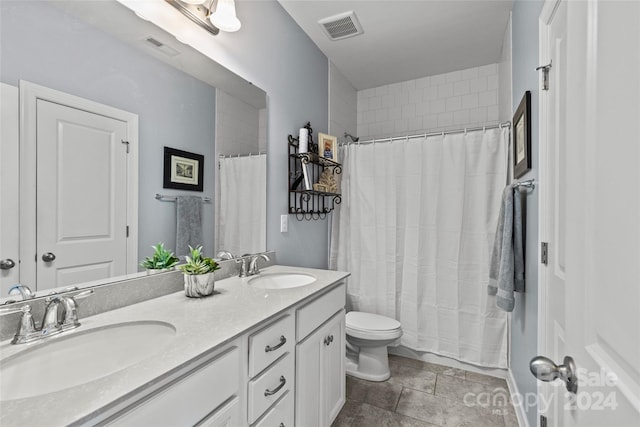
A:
198,285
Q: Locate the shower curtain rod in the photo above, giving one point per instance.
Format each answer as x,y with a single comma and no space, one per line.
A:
229,156
425,135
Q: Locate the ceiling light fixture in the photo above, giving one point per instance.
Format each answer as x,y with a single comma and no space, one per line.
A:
212,15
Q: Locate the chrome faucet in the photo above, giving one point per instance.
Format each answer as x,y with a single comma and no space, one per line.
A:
250,268
52,322
253,265
23,290
225,255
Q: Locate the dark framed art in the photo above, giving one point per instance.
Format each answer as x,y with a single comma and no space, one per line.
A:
183,170
522,137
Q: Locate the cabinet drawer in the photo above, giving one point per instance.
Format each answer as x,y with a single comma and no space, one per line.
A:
319,310
280,415
270,343
191,398
227,416
267,388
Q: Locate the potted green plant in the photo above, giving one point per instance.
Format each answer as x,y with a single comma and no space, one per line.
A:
162,260
198,273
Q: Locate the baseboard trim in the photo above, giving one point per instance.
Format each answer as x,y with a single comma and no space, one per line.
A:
517,407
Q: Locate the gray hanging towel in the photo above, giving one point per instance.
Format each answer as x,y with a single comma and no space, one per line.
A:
189,223
506,271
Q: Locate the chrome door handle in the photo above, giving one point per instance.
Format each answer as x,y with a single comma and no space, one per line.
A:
7,264
283,381
48,257
283,341
544,369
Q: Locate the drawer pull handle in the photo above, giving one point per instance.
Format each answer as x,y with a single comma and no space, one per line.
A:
283,341
268,392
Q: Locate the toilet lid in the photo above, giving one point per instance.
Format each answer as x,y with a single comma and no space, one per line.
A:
370,322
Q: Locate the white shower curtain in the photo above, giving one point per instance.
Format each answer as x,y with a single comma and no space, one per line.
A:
243,203
415,229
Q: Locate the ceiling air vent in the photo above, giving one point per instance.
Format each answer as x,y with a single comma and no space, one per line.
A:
341,26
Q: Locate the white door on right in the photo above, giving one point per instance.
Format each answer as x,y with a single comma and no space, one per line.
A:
590,210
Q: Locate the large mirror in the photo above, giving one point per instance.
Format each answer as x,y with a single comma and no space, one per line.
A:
102,52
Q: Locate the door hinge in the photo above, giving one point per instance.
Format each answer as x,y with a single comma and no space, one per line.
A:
544,252
543,421
545,75
126,143
127,231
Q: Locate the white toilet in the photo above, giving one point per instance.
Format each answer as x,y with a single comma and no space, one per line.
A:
367,338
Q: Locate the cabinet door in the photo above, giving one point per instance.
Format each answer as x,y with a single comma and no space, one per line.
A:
320,381
333,370
308,380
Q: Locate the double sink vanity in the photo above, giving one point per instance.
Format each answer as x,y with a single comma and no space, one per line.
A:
266,350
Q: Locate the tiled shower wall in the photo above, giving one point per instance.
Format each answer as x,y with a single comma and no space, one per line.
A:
455,100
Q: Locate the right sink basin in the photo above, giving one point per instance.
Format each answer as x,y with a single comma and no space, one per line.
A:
281,280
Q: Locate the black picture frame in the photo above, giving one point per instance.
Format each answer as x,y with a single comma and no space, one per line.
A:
183,170
522,137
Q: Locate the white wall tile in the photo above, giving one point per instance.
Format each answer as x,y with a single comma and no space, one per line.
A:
454,76
463,98
454,103
445,90
470,101
461,87
470,73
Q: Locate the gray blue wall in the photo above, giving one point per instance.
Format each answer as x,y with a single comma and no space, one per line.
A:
41,44
272,52
524,325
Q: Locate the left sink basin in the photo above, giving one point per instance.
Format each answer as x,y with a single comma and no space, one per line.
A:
70,360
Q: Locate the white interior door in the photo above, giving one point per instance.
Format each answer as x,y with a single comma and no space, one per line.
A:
590,211
9,210
82,196
78,183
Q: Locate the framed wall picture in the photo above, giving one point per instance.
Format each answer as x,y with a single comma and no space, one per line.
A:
328,146
183,170
522,137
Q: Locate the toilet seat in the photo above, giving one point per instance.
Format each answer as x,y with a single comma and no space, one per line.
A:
371,326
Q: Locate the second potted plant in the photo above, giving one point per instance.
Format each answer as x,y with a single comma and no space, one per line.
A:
161,261
198,273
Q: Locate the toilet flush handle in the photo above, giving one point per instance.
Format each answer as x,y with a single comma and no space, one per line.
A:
328,340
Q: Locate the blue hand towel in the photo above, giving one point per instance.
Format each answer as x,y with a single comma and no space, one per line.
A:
506,271
188,224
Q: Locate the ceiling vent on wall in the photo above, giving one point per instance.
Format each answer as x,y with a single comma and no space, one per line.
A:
341,26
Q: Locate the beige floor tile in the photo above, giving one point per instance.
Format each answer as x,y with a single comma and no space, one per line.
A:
486,379
363,415
415,378
383,394
473,394
431,367
445,412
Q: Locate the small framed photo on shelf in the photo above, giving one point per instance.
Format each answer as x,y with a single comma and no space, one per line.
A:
183,170
522,137
328,147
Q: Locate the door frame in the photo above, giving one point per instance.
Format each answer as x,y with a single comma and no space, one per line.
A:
30,93
546,14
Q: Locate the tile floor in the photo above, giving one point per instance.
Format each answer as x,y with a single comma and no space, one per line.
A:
421,394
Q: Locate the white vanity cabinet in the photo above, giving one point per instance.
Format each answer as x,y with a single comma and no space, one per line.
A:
205,395
320,354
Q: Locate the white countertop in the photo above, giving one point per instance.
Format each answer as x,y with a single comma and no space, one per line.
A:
201,324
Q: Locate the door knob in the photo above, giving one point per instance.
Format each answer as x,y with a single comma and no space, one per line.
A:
544,369
48,257
7,264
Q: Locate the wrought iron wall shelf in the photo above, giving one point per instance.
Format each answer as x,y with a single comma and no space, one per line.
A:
304,170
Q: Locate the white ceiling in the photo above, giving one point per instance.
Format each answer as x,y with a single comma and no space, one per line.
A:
407,39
